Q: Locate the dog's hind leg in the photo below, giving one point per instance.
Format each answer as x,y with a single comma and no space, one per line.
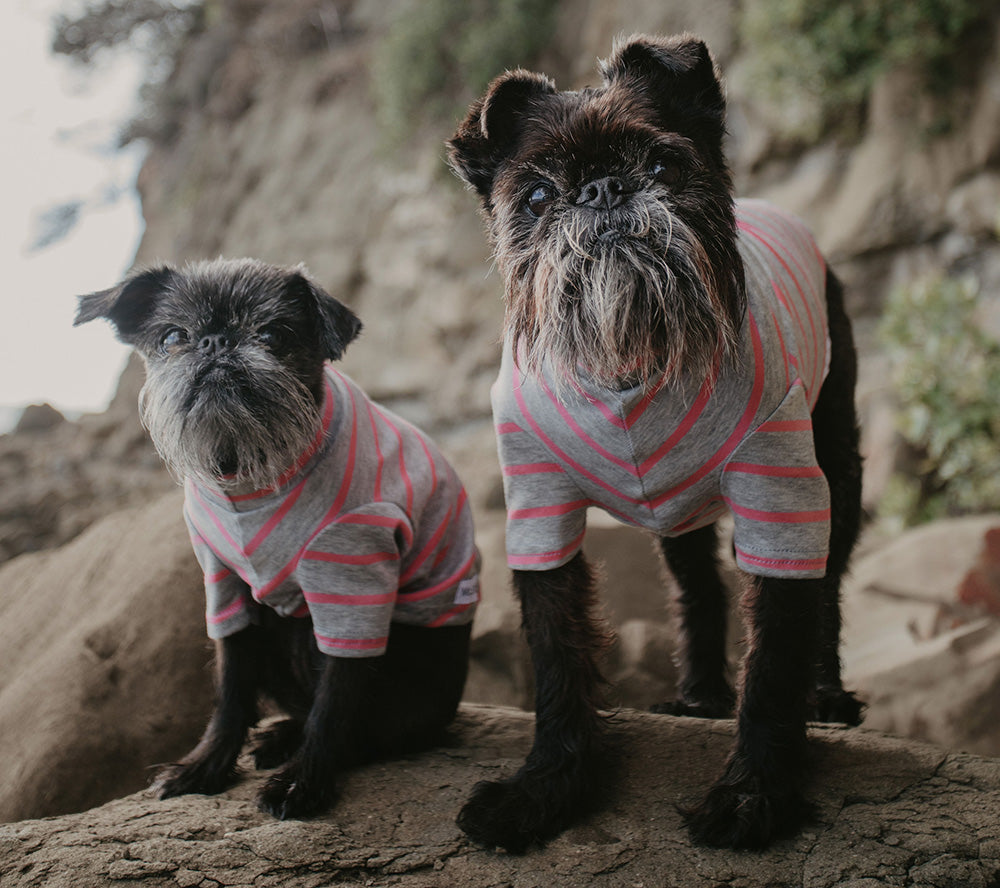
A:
569,762
211,766
835,433
371,707
703,688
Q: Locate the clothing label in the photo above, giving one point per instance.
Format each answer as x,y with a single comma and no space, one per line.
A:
468,591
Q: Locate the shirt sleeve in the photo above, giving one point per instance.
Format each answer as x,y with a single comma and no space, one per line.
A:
349,576
779,496
546,512
229,606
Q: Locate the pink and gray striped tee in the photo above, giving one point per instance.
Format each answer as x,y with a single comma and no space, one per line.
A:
370,526
672,459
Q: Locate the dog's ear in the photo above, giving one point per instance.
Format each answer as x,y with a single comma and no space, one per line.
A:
678,72
128,304
490,131
338,325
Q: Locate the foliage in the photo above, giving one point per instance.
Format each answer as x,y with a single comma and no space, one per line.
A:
109,23
439,54
946,372
817,62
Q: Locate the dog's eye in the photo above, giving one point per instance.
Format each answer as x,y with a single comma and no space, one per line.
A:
539,199
667,172
272,336
173,339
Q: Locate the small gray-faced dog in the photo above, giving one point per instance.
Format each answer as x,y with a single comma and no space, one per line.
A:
336,541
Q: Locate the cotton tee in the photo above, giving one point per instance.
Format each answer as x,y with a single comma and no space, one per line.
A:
673,458
370,526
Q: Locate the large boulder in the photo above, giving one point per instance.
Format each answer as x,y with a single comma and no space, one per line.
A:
105,668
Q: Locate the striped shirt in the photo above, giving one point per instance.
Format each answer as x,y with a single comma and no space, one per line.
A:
371,525
674,458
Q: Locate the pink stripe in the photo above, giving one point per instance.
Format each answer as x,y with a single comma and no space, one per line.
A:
431,591
775,471
507,428
545,557
218,524
397,524
799,281
634,415
584,437
536,428
803,517
690,418
379,458
407,481
218,575
227,612
334,558
352,644
275,520
532,468
337,598
756,394
786,425
435,539
301,611
810,564
706,513
447,615
548,511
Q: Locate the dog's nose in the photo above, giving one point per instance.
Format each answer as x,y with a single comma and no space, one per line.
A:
214,342
602,194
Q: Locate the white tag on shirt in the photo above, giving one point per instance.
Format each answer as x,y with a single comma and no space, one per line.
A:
468,591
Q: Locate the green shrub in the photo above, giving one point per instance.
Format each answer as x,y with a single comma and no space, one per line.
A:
440,54
946,375
816,62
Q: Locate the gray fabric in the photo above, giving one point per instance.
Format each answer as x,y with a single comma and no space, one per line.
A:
673,459
372,527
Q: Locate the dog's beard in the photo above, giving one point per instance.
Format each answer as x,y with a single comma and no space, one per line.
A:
242,423
626,297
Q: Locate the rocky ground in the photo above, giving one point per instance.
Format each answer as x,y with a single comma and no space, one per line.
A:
889,813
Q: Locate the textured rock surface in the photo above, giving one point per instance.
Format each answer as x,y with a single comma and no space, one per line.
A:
889,813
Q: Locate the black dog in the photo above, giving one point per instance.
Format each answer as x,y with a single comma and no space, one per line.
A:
302,495
668,355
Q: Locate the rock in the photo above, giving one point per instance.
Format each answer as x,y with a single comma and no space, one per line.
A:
889,813
927,662
105,668
38,418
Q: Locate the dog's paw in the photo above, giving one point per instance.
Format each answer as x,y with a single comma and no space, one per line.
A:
277,744
205,776
289,795
506,815
837,706
533,806
742,816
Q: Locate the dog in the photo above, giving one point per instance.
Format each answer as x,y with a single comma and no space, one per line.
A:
668,355
341,574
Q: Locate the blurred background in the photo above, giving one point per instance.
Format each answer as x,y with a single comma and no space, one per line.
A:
312,131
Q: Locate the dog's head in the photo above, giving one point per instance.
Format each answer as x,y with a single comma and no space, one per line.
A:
234,353
611,213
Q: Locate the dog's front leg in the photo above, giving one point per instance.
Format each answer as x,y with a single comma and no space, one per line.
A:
759,796
211,766
333,738
563,774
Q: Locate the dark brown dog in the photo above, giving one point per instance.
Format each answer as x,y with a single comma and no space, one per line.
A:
666,355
